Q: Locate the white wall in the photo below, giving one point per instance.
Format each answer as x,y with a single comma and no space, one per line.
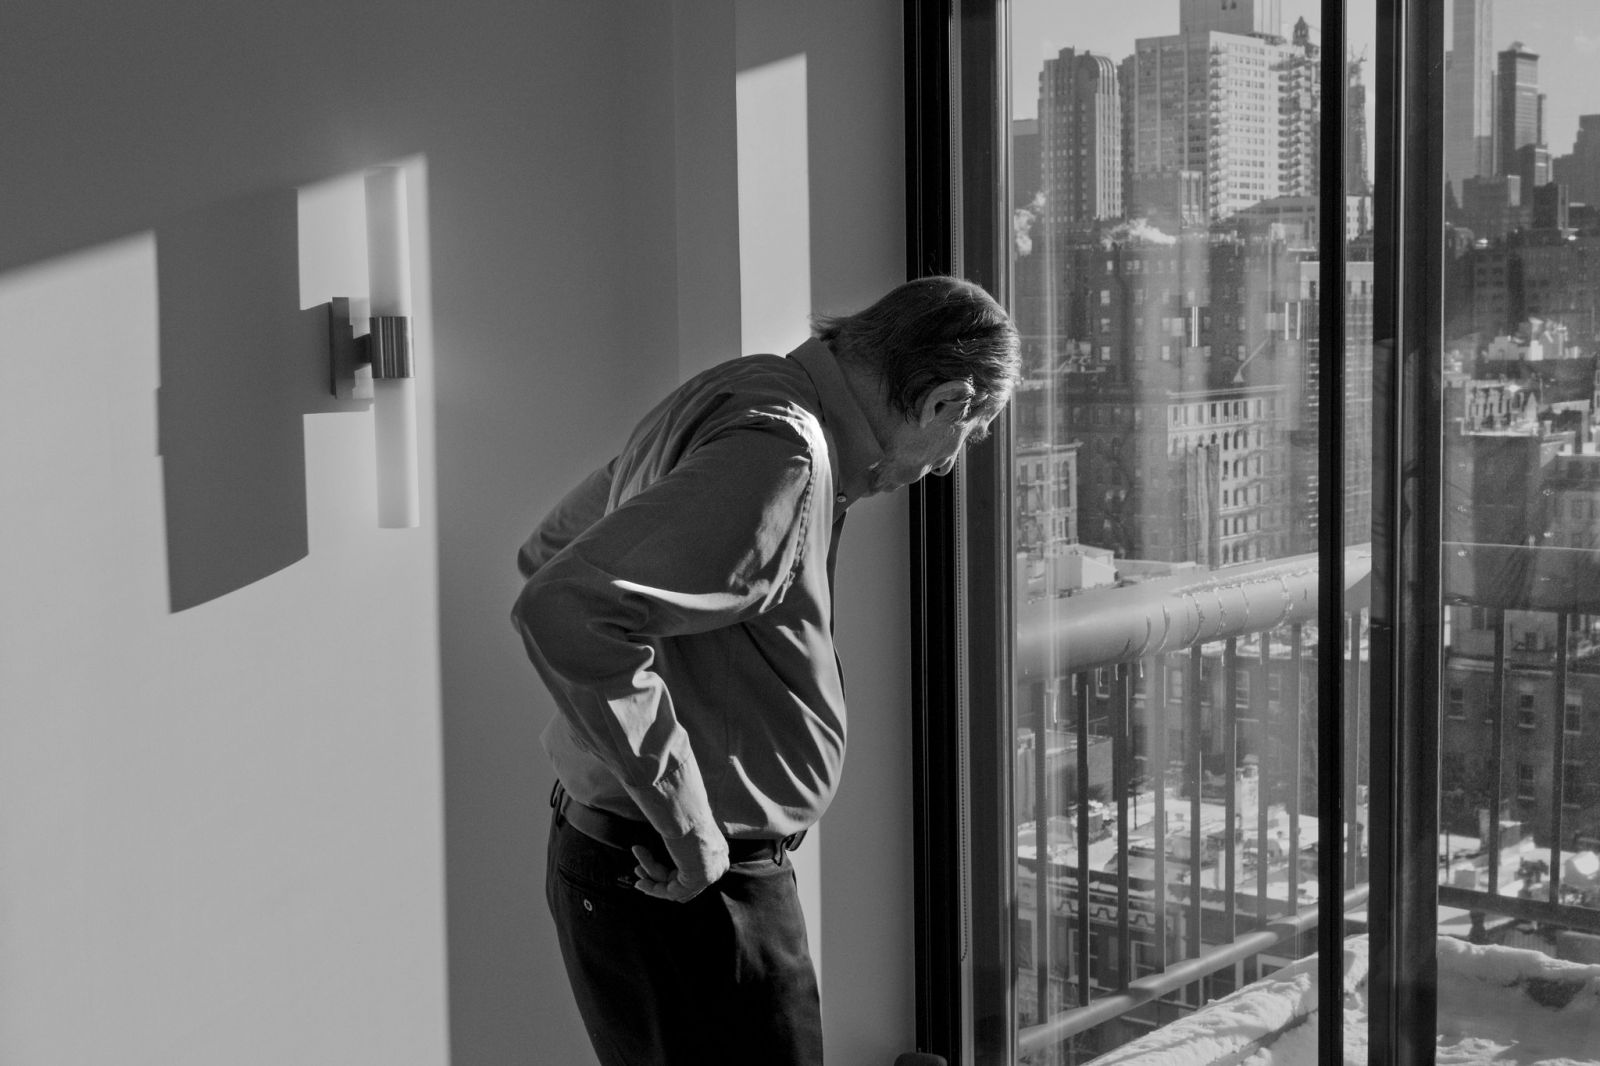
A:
220,828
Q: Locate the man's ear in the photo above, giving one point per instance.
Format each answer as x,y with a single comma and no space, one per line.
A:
949,401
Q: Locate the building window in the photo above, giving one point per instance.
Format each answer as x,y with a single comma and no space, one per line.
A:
1574,786
1023,938
1458,702
1526,788
1527,718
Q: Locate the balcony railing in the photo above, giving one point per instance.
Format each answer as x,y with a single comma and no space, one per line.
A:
1097,668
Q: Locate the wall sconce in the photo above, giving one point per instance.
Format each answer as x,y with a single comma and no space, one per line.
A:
379,365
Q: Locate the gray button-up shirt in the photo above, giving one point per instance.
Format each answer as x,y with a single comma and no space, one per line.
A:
678,603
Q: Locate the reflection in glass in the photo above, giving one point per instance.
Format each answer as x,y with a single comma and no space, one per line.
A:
1519,803
1165,278
1165,167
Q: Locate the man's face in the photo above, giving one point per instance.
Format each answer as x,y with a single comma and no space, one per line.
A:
929,443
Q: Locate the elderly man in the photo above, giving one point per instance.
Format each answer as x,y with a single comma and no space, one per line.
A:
679,605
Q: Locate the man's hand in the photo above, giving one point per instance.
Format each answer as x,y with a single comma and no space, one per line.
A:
697,862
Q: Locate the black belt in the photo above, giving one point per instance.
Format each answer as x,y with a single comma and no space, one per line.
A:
623,833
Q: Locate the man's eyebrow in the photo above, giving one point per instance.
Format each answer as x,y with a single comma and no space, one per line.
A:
979,436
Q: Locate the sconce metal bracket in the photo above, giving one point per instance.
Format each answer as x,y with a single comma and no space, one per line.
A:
382,352
350,367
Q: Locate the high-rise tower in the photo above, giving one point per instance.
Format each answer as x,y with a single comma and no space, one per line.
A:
1250,18
1520,116
1080,138
1469,94
1237,107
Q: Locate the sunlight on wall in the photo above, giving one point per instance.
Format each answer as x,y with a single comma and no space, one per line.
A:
222,835
774,206
775,284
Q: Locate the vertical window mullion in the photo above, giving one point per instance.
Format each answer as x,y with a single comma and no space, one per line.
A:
980,228
1406,634
1330,545
939,923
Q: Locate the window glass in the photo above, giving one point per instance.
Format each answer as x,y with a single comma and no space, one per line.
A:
1165,728
1164,269
1519,518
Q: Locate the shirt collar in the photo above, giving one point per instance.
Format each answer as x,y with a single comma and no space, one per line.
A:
856,447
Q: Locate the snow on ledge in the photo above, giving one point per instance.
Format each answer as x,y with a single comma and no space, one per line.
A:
1507,1006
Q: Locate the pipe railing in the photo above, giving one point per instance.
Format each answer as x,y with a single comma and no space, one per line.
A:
1067,647
1163,623
1148,989
1125,623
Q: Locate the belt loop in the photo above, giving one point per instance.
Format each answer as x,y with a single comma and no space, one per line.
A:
555,794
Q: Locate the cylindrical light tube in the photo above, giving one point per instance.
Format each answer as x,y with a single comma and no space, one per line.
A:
394,407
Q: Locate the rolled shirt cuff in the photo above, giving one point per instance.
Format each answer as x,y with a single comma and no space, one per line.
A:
677,805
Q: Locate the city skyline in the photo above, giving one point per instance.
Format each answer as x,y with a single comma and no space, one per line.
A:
1565,34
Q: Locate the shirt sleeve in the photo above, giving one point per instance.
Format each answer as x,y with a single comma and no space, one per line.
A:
712,543
578,510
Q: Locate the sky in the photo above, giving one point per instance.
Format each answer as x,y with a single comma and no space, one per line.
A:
1565,34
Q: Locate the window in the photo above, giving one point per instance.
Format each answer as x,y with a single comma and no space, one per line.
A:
1573,714
1024,935
1145,955
1526,787
1298,596
1573,785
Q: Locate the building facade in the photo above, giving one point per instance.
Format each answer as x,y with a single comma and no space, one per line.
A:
1080,139
1239,109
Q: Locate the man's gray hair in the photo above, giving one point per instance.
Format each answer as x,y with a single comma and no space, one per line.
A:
929,331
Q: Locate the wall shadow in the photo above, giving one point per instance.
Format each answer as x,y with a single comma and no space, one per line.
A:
241,362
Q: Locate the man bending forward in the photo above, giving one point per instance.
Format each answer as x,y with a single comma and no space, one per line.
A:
679,605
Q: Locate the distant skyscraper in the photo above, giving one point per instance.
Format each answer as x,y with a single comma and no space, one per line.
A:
1519,118
1240,109
1080,138
1250,18
1469,94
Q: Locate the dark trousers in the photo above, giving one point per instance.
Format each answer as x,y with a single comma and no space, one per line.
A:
723,980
